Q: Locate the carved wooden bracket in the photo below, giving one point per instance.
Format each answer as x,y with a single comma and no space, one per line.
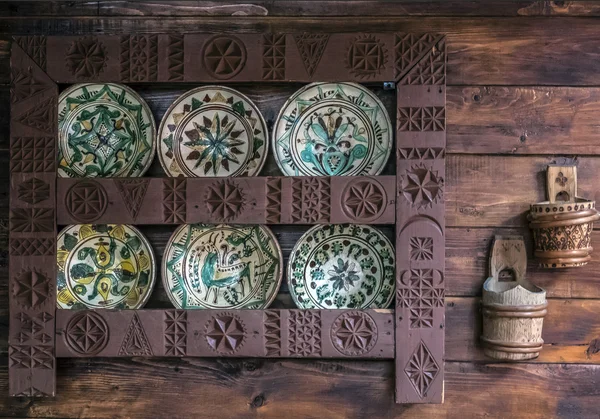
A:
413,200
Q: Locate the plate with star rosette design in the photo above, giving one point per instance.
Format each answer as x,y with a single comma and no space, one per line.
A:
332,129
104,130
213,131
341,267
104,266
222,267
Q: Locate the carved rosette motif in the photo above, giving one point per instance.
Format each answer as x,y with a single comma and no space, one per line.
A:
354,333
421,186
366,57
225,200
421,369
87,333
86,57
364,200
86,201
224,56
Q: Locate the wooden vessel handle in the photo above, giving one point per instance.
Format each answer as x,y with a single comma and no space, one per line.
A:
508,260
561,183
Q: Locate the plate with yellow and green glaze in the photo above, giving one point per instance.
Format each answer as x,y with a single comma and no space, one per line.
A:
104,130
104,266
342,267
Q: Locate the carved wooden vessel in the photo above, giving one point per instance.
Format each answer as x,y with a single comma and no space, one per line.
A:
562,226
513,308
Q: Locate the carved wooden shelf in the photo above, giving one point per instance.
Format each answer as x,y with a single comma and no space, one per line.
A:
412,333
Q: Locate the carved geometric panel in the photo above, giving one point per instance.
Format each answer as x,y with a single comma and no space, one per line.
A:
421,291
410,49
311,47
175,62
33,327
25,85
364,200
41,116
33,191
29,356
225,333
87,333
310,200
421,248
135,342
174,200
86,57
139,58
86,201
430,118
354,333
225,200
366,56
274,200
304,333
32,155
431,70
421,153
175,332
224,56
32,220
32,247
34,47
272,321
31,288
422,369
133,192
273,56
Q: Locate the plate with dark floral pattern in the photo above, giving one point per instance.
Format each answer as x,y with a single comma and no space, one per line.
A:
104,130
332,129
104,266
213,131
342,266
222,267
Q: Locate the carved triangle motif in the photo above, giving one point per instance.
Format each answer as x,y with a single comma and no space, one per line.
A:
135,341
41,116
133,192
311,47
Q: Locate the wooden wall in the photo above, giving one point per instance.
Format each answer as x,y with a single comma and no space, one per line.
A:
523,91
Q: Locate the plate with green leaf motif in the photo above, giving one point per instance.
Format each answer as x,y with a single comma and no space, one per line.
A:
104,130
342,266
222,267
104,266
332,129
213,131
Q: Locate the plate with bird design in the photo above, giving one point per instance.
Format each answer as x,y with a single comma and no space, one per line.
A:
341,267
332,129
222,267
104,130
213,131
104,266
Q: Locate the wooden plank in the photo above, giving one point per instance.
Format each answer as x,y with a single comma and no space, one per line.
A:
420,228
303,8
571,332
245,200
467,253
473,43
523,120
486,191
307,389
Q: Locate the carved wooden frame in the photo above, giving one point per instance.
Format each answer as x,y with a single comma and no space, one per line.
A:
412,333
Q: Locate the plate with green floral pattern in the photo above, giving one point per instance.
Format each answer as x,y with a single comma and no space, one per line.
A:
104,266
213,131
104,130
342,266
332,129
222,267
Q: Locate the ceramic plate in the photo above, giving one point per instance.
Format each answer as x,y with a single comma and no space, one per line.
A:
213,131
332,129
104,266
222,267
342,266
104,130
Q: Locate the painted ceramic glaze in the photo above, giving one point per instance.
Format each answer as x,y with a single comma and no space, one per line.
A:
332,129
104,130
213,131
104,266
342,266
222,267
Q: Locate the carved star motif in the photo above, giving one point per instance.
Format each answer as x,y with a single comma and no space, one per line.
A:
421,186
31,289
225,333
225,200
354,333
364,199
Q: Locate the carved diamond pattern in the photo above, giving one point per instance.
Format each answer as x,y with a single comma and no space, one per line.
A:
32,247
272,322
421,186
86,333
421,369
224,56
174,200
32,155
27,356
366,57
364,200
420,293
32,327
310,200
33,191
422,119
175,332
225,200
86,201
31,289
32,392
86,57
354,333
139,58
225,333
273,62
304,333
311,47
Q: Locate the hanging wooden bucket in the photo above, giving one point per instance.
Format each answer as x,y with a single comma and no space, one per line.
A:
513,308
562,227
